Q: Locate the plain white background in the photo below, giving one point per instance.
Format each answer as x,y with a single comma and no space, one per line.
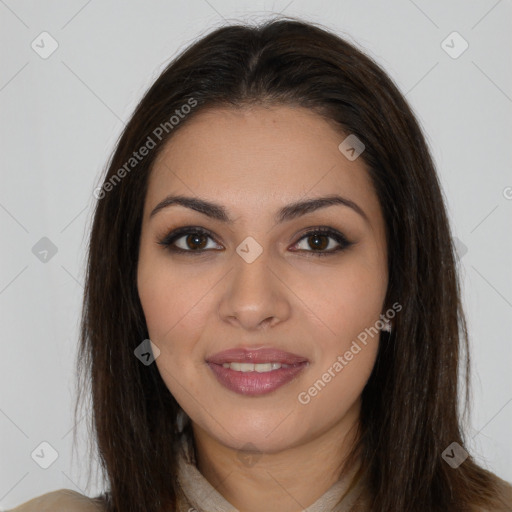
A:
60,117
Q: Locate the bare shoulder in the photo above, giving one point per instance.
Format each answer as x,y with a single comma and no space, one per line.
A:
63,500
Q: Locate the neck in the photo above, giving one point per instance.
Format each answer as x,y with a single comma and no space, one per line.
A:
289,480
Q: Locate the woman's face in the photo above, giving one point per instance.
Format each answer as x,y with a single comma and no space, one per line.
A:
257,318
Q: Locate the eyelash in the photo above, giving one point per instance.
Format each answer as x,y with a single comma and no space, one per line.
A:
170,238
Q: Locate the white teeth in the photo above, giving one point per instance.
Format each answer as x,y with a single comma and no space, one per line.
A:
265,367
258,367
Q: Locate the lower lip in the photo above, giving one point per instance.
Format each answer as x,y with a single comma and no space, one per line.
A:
254,383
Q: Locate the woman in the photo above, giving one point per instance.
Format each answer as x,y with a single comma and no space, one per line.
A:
271,313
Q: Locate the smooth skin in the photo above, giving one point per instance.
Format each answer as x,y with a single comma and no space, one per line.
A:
253,162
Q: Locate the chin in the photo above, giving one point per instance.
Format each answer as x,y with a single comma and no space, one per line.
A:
260,433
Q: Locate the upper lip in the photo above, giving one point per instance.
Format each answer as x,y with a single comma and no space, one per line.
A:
261,355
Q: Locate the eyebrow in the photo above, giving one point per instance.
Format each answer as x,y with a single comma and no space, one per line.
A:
287,213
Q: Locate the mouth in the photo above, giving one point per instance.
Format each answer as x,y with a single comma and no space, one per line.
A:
255,372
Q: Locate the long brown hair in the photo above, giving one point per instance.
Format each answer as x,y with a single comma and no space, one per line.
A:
410,403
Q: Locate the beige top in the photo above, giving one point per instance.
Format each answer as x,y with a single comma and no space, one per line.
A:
197,493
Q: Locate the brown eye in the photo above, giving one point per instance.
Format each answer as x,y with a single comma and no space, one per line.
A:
188,240
318,241
323,242
196,241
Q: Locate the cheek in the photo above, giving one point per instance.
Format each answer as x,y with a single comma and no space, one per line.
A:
357,303
176,310
349,304
173,321
349,307
170,298
336,388
345,300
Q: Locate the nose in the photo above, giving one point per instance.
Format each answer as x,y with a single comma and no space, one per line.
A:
255,295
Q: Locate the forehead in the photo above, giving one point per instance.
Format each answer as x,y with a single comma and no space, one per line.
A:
253,157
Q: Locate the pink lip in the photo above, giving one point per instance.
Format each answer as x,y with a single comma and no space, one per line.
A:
255,383
263,355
